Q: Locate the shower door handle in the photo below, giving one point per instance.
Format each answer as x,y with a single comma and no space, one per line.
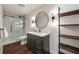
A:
11,28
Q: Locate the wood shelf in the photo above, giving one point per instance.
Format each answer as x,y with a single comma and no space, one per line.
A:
69,25
74,12
69,36
69,48
62,45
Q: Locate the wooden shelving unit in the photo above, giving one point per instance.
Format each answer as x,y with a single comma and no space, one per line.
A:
69,13
69,25
69,36
69,48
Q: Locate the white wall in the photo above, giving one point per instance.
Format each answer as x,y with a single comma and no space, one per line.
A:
27,23
70,30
51,28
1,26
1,16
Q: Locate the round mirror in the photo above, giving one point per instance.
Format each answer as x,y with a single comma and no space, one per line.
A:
41,20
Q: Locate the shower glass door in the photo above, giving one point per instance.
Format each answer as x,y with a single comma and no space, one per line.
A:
14,28
1,40
17,28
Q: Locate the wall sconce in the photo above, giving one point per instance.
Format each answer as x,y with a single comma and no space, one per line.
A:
53,17
32,22
33,19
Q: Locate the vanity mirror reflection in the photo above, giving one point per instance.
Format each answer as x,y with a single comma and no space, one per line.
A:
41,20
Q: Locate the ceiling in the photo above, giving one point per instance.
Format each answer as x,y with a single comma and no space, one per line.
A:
19,9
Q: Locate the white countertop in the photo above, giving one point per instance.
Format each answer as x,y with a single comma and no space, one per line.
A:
39,33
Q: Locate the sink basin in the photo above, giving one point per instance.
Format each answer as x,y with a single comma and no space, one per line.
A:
39,33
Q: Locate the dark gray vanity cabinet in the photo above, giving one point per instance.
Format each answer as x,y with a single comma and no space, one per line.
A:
38,44
29,41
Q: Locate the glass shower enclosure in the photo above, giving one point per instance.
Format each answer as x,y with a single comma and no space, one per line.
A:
1,40
14,28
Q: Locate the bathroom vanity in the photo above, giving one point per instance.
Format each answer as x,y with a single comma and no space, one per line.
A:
38,42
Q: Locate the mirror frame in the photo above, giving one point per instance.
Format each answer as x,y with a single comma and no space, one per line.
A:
47,20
